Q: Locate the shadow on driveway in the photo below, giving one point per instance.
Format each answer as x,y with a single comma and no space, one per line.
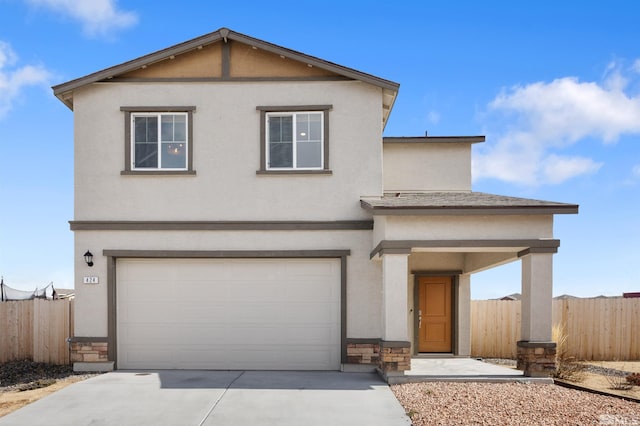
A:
190,397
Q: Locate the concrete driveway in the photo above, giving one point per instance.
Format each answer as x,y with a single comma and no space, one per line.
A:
189,397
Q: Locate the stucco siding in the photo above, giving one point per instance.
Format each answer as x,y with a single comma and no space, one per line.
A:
426,167
226,154
363,275
464,227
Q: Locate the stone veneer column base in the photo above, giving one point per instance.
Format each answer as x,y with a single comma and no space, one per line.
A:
395,357
364,352
537,359
90,354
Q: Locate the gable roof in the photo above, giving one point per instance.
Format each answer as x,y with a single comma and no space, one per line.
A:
64,91
462,203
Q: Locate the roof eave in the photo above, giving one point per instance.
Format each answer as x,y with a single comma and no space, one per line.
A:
64,91
434,139
468,210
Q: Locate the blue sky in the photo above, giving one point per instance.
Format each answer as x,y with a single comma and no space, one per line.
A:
554,86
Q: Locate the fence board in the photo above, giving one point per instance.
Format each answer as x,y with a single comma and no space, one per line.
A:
36,329
598,329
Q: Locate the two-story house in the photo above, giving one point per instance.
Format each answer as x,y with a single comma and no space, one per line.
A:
239,208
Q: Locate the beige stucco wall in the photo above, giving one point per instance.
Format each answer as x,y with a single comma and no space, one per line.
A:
427,167
363,275
226,154
489,227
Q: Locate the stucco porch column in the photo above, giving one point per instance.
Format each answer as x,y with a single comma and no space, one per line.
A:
536,351
395,347
464,315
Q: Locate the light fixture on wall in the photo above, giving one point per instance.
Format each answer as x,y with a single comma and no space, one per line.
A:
88,257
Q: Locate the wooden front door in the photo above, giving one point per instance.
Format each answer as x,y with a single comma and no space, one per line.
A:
434,314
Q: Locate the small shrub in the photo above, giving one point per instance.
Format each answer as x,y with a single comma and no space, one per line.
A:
567,367
618,382
412,413
634,379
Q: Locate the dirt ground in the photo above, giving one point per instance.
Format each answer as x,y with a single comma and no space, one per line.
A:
14,399
603,383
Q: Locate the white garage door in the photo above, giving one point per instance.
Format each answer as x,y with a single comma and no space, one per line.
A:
272,314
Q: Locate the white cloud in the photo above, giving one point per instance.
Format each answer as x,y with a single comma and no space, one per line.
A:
636,66
433,117
636,171
13,80
98,17
532,124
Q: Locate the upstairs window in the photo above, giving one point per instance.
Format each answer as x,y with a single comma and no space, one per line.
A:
158,140
294,139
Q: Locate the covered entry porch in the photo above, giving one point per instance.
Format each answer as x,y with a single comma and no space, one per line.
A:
430,245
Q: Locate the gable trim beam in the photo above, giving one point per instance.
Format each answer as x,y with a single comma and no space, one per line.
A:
123,225
406,246
64,91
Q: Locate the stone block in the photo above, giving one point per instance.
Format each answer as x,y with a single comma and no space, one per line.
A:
90,357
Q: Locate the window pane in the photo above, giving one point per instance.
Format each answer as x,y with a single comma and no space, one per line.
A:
315,127
167,127
146,155
174,156
180,128
309,154
280,154
309,127
281,141
281,129
146,129
302,127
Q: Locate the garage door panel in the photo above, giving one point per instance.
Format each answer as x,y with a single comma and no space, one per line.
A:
194,313
228,314
236,358
220,335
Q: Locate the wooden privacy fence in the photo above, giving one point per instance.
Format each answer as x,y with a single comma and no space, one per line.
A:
36,329
599,329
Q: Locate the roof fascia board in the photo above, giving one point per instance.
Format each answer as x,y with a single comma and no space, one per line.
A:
315,61
469,211
138,62
433,139
222,34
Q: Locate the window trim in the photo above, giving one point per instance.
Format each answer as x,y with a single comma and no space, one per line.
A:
264,110
128,166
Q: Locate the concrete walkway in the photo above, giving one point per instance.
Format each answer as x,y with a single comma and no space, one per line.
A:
461,370
220,398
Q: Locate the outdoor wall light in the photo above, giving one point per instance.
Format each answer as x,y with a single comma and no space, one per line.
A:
88,257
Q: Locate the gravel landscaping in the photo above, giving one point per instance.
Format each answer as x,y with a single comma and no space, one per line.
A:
439,403
27,375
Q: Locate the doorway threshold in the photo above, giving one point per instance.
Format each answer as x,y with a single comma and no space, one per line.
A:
434,355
